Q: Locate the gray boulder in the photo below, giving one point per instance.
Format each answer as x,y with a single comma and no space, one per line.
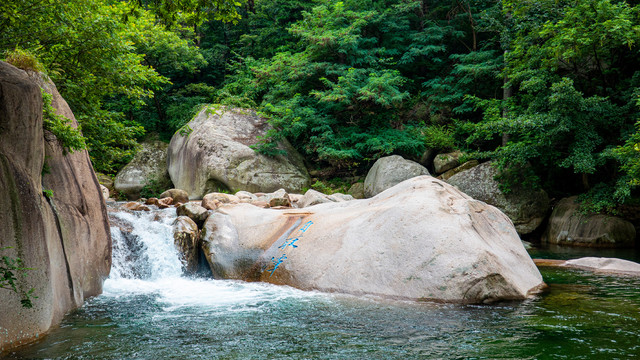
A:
212,153
568,226
403,243
187,240
389,171
148,167
526,207
448,161
357,190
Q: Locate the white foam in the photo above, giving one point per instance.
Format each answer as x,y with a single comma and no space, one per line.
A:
162,272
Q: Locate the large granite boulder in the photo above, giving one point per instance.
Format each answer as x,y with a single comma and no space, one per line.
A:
526,207
148,167
422,240
389,171
213,153
63,238
568,226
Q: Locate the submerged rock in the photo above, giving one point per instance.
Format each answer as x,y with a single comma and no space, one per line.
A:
213,153
596,264
609,265
404,243
389,171
568,226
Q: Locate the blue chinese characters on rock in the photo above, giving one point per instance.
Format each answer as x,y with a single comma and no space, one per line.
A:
288,245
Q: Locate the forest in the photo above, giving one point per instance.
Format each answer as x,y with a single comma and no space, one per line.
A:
549,89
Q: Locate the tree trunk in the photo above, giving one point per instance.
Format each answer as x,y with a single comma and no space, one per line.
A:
507,92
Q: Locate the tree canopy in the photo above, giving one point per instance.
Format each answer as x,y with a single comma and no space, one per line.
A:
548,89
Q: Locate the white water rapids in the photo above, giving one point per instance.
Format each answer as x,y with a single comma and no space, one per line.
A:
145,261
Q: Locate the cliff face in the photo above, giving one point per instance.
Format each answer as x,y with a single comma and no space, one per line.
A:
64,239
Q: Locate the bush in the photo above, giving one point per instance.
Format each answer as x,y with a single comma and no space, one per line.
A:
68,137
23,59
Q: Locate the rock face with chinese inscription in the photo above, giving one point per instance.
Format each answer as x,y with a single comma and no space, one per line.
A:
421,239
213,153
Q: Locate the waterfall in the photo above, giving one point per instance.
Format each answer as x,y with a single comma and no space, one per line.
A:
143,245
145,261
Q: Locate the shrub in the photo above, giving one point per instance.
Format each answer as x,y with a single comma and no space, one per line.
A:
24,59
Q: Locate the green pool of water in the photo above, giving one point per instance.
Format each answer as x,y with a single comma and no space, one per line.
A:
582,316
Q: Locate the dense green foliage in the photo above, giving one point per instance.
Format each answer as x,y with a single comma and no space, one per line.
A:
548,88
91,49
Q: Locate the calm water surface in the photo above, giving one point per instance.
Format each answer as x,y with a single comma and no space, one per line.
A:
148,311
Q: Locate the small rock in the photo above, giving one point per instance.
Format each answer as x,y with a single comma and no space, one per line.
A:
444,162
466,166
278,198
135,206
221,197
194,211
148,167
313,197
260,203
427,157
179,196
151,201
280,202
338,197
210,203
105,192
165,202
295,198
357,190
245,196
